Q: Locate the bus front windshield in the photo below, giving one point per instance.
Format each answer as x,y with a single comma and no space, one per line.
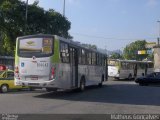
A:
112,63
39,47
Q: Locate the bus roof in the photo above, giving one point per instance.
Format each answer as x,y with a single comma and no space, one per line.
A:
77,44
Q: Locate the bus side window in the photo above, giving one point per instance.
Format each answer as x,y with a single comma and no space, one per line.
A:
123,64
80,56
83,53
89,58
100,59
93,58
64,52
97,59
87,61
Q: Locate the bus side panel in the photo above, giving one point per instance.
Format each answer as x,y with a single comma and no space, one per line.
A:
95,74
126,73
82,71
140,71
64,76
90,80
92,74
150,70
62,70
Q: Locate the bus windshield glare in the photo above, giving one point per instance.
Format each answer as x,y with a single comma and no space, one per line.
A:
39,47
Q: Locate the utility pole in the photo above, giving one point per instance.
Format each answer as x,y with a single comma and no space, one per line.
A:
26,17
158,32
64,8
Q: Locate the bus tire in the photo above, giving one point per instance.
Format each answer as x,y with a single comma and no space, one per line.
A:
101,83
4,88
31,89
129,76
116,78
50,89
143,84
82,84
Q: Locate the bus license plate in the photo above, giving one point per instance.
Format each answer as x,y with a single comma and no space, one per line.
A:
34,77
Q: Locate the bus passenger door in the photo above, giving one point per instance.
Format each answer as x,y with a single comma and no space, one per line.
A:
106,69
135,70
74,66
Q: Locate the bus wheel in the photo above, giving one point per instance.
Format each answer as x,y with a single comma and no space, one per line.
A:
143,84
100,84
130,77
4,88
82,85
116,78
31,89
102,79
51,89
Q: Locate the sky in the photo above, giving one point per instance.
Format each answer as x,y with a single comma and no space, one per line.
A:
109,24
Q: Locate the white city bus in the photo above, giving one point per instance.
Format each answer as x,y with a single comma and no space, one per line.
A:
52,62
128,68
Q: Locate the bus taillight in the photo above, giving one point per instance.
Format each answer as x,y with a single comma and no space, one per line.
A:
16,72
52,72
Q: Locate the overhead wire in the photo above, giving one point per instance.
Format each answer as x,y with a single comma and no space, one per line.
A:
112,38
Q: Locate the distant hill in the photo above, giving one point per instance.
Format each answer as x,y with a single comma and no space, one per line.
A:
108,52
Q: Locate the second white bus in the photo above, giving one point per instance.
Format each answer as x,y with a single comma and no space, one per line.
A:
128,68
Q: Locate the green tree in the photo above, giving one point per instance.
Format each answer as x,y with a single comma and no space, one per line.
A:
9,24
150,57
12,23
90,46
116,56
131,51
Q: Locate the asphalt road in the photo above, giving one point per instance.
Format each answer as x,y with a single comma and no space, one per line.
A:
114,97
